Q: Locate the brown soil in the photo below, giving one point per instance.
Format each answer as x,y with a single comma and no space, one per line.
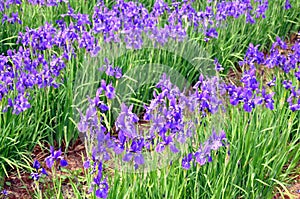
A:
293,190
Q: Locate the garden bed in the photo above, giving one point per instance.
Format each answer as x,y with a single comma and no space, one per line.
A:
153,99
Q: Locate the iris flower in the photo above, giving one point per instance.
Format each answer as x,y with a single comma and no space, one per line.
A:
55,156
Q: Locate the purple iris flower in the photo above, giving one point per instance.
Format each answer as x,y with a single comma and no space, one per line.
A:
287,5
87,164
202,156
186,161
100,104
173,148
4,18
128,157
89,119
167,141
139,160
110,91
268,99
297,75
102,191
287,84
100,184
218,66
55,156
110,70
38,171
272,82
248,106
212,33
36,164
261,9
216,141
118,72
295,107
135,153
281,43
4,192
126,121
249,18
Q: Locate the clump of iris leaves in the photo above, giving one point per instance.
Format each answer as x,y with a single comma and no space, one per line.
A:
247,131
